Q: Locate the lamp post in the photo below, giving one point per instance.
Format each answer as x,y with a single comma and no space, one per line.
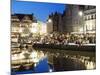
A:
49,20
49,26
81,14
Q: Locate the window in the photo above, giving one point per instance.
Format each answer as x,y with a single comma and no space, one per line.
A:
92,16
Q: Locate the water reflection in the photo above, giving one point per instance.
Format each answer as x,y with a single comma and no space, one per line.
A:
30,59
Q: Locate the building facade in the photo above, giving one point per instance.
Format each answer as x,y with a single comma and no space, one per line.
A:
49,26
74,19
54,23
21,24
90,19
69,21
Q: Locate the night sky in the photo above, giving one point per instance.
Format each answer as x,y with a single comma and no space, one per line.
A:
40,10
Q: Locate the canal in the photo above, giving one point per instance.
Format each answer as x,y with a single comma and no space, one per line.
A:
40,60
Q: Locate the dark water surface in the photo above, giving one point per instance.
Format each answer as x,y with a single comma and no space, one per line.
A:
30,60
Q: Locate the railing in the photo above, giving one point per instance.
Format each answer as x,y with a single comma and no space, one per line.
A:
89,48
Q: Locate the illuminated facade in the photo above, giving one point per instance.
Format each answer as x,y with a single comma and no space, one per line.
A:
68,21
43,29
39,28
90,19
73,18
20,21
80,19
21,24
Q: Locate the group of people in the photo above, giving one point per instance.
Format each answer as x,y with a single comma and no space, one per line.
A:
65,39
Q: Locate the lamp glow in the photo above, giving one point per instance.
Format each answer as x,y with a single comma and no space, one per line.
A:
80,13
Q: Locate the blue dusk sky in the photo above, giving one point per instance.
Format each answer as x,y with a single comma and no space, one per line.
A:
40,10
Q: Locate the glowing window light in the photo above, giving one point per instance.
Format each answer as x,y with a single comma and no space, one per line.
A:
33,30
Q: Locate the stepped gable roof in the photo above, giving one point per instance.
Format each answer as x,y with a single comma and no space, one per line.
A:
21,16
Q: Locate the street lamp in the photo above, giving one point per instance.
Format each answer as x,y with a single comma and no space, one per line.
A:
81,15
49,25
49,20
